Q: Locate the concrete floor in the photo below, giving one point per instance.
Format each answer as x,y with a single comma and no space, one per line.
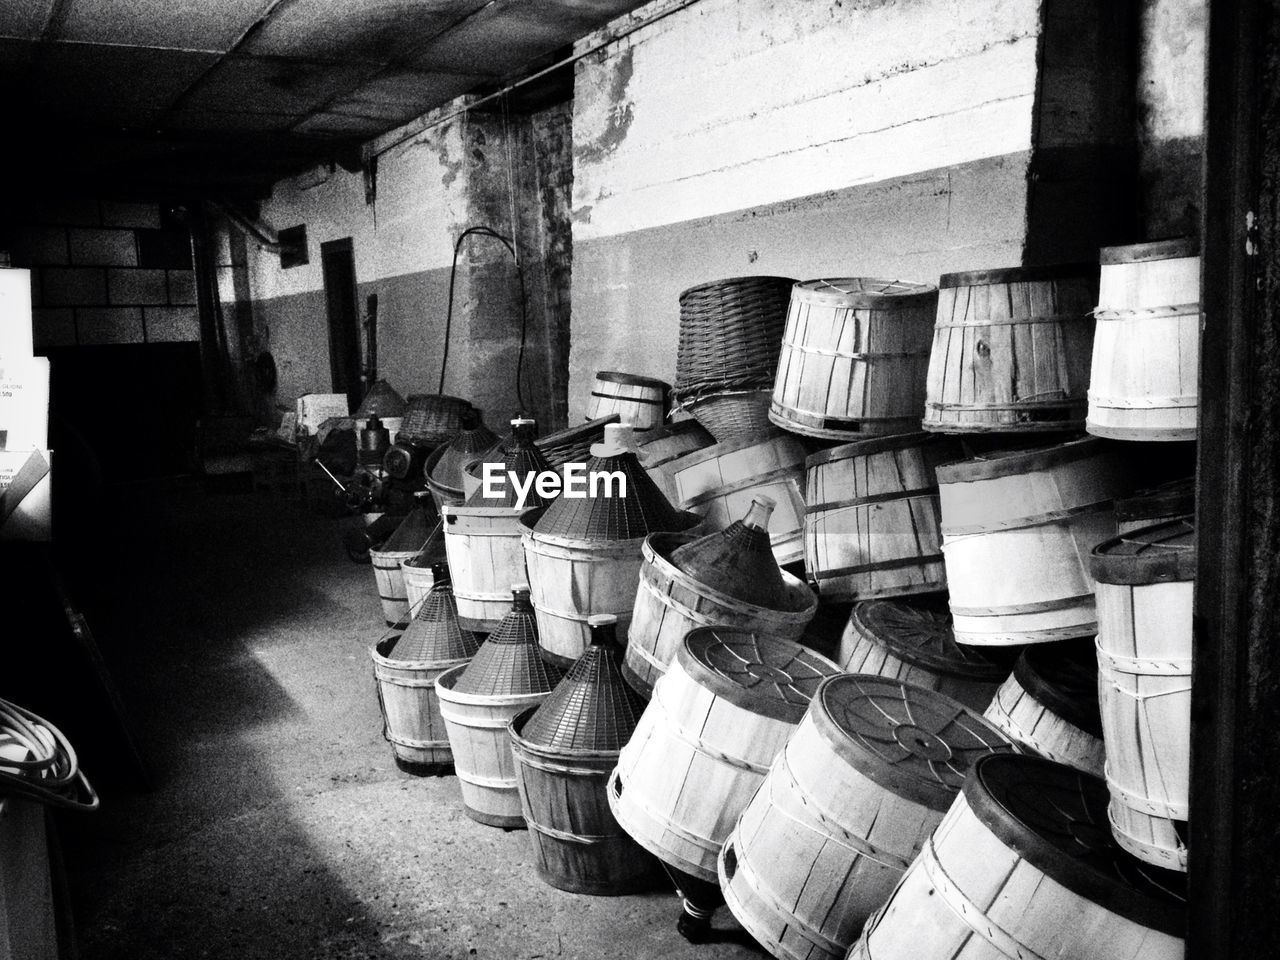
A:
279,826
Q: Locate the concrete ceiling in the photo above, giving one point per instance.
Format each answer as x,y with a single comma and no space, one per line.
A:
227,95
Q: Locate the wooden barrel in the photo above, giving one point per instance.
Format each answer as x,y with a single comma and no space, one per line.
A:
718,717
389,578
1011,350
482,757
1050,704
1146,351
561,787
571,580
912,641
1022,868
417,583
871,519
486,556
720,482
639,401
854,357
1168,501
1016,531
669,603
411,719
667,444
846,807
1145,583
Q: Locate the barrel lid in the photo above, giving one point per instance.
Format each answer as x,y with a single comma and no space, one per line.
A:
738,561
1063,677
381,401
632,379
1173,499
1055,817
1160,553
881,294
433,550
983,278
918,631
510,661
592,708
434,633
1173,249
763,674
1007,463
414,532
918,743
643,509
865,448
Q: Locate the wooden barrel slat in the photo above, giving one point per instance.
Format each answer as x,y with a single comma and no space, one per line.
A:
639,401
389,579
719,483
417,584
1011,351
854,357
1017,529
871,526
486,556
669,604
1146,354
1028,721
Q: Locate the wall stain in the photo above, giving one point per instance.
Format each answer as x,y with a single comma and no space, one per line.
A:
621,113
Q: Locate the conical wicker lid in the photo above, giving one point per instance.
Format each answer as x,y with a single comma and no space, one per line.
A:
765,675
510,661
434,634
522,459
380,401
738,560
433,550
573,444
414,530
592,708
474,441
918,743
1063,676
1055,816
643,510
918,631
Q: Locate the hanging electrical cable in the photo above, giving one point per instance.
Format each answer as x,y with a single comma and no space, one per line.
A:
484,231
45,768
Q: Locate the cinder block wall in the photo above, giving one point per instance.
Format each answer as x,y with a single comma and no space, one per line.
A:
105,272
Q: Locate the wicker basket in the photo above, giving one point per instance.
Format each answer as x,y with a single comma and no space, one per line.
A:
730,334
733,414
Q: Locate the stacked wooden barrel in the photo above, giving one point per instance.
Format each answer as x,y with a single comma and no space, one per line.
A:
639,401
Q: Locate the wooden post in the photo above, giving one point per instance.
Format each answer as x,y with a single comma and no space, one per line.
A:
1235,782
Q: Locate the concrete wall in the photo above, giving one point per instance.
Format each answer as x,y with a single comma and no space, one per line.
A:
509,174
827,139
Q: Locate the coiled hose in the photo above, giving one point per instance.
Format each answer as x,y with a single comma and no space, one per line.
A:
50,774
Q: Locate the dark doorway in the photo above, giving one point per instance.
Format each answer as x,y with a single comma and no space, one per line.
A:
338,264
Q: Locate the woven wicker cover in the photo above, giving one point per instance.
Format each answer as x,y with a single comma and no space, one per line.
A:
592,708
573,444
731,334
509,662
432,419
475,441
1056,818
434,634
918,631
523,458
432,551
380,401
918,743
734,415
415,529
644,510
738,560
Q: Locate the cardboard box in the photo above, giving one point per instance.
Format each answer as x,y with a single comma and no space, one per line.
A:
26,495
24,403
15,313
315,408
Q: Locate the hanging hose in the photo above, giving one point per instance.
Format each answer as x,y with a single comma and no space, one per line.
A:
52,775
524,309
